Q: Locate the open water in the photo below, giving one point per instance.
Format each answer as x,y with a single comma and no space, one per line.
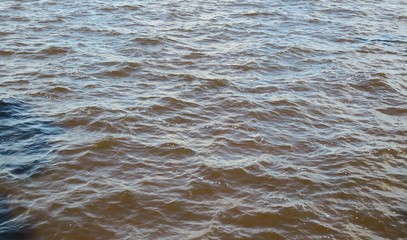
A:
203,119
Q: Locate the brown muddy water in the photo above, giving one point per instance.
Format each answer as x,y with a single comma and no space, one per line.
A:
203,119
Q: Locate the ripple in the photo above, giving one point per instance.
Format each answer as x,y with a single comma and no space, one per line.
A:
195,55
55,50
118,69
46,95
13,83
171,150
178,103
373,86
6,53
147,41
394,111
5,33
213,84
61,89
256,14
107,143
262,89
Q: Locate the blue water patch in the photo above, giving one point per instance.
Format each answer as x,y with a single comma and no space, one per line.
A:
24,139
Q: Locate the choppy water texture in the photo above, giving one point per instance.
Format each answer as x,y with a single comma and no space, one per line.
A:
203,119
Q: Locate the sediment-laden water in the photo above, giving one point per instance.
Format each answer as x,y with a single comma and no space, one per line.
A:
203,119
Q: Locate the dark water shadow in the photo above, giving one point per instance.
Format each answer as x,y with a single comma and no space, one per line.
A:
11,228
24,146
24,152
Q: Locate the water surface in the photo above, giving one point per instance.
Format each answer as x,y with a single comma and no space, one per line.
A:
203,119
